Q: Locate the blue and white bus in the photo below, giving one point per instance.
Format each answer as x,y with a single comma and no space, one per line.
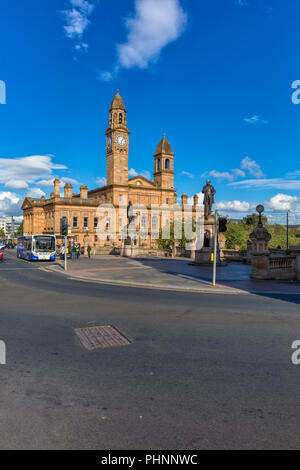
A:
36,247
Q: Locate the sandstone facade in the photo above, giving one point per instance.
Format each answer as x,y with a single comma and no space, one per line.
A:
90,225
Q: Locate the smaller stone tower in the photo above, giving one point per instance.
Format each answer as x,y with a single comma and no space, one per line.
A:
164,165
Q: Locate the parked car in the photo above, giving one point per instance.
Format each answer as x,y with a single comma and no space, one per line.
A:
1,255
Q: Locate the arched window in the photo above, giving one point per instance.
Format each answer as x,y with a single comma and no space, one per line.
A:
158,164
120,118
167,165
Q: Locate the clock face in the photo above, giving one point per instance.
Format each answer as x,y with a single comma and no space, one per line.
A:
109,141
121,140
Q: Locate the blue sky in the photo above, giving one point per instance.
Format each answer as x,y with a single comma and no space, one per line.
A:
214,75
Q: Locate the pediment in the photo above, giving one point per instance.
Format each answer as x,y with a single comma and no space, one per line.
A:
27,203
140,181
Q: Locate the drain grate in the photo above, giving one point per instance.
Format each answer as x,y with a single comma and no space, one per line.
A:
94,337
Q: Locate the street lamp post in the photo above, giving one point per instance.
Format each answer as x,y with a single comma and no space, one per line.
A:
215,249
287,230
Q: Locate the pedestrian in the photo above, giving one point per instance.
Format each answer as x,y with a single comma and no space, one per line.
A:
77,250
89,251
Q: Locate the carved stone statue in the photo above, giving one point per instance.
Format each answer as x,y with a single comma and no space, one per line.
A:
130,229
130,216
208,201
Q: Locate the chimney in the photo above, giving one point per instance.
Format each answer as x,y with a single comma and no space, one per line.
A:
184,199
68,190
56,187
83,192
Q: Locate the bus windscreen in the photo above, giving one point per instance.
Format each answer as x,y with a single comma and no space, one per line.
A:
44,244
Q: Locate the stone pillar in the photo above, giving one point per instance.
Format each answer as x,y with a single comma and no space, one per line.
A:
184,199
83,192
68,190
221,244
260,254
249,252
206,235
56,187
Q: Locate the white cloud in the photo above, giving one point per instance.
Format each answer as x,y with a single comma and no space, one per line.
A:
65,180
241,3
77,21
16,184
282,202
264,183
145,173
234,206
225,175
50,182
82,47
252,167
10,204
186,173
239,172
155,24
132,172
35,193
17,172
101,181
191,199
255,120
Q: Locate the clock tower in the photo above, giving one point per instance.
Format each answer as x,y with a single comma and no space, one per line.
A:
117,143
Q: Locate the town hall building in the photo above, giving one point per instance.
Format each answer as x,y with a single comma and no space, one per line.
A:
42,216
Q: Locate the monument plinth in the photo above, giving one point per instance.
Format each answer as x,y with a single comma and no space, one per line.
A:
203,255
207,233
129,247
260,254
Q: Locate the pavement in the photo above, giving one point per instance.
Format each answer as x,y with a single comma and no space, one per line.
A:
203,371
172,274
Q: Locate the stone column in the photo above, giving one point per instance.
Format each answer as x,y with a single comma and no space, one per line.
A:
260,254
203,255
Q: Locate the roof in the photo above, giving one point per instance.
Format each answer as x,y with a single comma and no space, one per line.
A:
164,147
117,103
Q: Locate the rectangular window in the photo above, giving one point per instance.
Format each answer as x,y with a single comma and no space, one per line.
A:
86,222
144,222
95,222
120,199
167,201
75,222
154,223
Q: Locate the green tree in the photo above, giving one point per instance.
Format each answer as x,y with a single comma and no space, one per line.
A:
2,233
19,231
238,233
167,244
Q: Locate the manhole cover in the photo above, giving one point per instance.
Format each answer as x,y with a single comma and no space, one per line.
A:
95,337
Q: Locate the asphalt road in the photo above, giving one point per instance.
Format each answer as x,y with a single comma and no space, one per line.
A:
204,371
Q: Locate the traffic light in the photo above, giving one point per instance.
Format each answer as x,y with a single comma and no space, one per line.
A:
64,226
222,225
